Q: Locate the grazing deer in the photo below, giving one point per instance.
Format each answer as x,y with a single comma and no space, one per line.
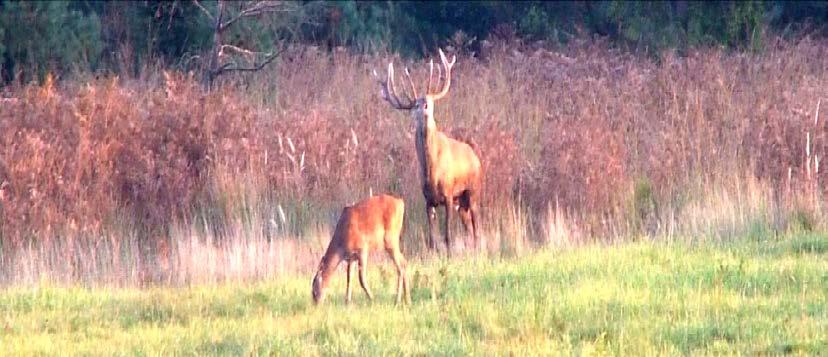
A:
450,170
370,225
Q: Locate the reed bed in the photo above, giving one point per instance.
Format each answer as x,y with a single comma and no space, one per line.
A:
124,181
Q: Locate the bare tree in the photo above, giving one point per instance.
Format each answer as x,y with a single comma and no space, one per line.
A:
219,59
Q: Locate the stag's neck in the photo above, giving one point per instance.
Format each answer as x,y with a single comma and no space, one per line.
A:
426,148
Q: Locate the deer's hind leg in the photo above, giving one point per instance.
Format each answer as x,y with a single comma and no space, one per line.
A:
473,212
402,280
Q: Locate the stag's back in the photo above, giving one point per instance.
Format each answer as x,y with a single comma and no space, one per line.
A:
458,162
373,223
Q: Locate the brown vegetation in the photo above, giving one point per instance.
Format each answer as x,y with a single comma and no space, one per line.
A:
583,144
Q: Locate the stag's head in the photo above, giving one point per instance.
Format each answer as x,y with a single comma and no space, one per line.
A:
422,108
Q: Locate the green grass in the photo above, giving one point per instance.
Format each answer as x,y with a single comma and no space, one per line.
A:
632,299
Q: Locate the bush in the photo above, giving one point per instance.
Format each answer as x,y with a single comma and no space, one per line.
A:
576,127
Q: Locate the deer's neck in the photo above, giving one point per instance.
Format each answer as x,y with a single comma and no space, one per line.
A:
426,149
328,266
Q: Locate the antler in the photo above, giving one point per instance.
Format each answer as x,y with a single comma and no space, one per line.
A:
410,82
430,73
389,90
447,65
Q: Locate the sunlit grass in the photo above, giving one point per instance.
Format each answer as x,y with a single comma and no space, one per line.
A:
633,299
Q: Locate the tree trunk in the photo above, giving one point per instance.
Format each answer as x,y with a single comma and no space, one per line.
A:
213,66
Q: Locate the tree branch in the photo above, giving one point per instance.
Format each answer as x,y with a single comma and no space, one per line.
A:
242,51
204,10
172,12
246,9
261,7
229,67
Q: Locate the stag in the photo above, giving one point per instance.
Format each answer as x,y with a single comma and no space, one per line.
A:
370,225
450,170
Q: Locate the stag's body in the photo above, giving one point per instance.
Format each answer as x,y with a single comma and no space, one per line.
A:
450,170
450,175
370,225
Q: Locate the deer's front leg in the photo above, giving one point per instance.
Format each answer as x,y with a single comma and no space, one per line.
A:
348,288
447,227
431,216
362,264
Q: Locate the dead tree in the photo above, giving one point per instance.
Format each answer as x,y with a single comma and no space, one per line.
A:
221,20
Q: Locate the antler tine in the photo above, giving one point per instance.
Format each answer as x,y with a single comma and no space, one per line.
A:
439,77
383,87
443,58
385,93
393,83
430,73
411,82
390,83
389,90
448,66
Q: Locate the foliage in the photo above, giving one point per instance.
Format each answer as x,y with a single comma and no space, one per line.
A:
119,36
575,128
41,37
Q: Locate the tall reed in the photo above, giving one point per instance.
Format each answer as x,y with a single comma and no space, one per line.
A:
151,179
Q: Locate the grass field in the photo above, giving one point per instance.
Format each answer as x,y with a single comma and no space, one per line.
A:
631,299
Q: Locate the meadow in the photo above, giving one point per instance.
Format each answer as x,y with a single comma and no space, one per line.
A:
646,298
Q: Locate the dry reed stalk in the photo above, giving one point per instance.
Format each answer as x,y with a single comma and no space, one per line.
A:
308,136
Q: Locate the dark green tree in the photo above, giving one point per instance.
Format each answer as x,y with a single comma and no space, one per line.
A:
49,36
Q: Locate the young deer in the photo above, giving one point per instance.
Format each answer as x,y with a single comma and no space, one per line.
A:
370,225
450,170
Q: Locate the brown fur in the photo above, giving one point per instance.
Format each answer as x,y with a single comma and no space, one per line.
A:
450,169
370,225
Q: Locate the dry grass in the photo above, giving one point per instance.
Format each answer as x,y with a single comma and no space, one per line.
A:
151,179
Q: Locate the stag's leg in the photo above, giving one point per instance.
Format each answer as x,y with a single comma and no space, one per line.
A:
447,227
348,288
466,215
431,215
473,211
402,281
363,261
